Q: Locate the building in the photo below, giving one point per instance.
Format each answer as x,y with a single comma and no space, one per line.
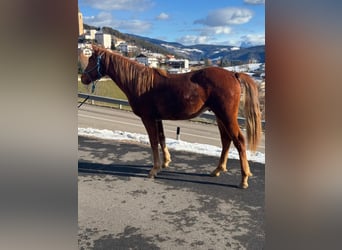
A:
89,34
117,41
126,48
147,60
176,66
80,23
104,39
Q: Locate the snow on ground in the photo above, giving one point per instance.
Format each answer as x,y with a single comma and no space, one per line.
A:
171,143
244,67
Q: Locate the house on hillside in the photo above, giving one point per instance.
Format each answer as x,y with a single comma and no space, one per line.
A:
176,66
149,61
126,48
89,34
104,39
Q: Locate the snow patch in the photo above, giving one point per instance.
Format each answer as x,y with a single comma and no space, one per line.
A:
178,145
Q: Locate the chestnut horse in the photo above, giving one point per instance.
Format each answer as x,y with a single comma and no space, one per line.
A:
154,95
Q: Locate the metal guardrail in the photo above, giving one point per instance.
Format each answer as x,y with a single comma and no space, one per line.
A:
104,99
206,115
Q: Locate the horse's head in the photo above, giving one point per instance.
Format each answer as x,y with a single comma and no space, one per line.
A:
94,68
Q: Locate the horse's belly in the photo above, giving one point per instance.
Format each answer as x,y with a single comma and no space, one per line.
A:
180,112
188,105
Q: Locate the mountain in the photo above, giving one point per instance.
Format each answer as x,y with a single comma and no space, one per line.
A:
138,41
193,52
212,52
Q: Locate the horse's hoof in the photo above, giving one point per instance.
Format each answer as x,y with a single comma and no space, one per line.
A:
166,164
215,173
151,175
244,185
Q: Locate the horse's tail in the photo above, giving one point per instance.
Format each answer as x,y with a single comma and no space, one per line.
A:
252,110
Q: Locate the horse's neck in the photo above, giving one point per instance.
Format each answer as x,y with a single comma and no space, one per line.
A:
113,71
125,75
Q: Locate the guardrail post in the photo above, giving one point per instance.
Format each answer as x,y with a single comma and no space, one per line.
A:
178,134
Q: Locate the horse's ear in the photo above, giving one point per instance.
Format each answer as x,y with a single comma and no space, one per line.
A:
94,47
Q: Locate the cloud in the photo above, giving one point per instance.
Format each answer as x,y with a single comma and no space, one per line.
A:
252,39
106,19
191,39
134,26
220,22
130,5
254,2
217,30
162,16
226,16
100,20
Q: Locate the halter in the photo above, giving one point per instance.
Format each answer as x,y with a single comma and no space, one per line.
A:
98,68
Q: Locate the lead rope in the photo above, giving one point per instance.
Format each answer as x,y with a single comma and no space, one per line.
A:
92,91
85,99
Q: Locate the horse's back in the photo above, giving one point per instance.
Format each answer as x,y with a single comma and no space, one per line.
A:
217,81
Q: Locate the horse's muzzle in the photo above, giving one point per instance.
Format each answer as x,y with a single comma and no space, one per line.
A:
85,79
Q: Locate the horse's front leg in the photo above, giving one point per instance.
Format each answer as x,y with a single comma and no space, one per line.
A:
152,131
166,153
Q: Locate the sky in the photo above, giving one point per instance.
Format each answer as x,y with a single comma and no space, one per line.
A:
189,22
171,143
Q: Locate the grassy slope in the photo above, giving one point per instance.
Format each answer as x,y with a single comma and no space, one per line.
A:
105,88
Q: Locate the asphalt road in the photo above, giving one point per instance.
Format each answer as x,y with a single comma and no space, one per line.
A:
114,119
182,208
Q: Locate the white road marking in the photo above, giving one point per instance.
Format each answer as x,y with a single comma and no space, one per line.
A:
109,120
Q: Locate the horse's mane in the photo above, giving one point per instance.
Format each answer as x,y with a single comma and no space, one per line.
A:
162,72
133,76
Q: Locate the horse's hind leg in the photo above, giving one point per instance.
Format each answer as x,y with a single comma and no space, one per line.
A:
226,141
152,130
234,132
166,154
239,143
